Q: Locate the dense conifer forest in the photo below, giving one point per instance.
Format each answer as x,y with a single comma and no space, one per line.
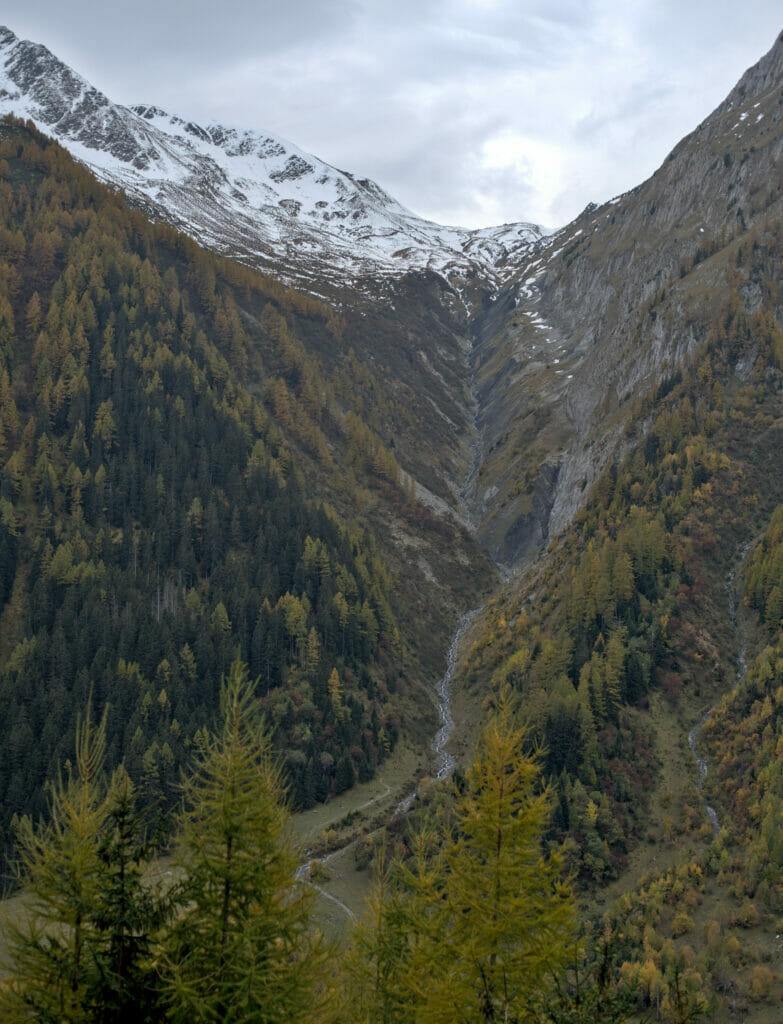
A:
625,603
643,615
167,450
196,495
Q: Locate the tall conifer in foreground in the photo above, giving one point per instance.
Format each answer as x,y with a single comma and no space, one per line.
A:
241,950
478,931
81,949
507,916
60,867
130,913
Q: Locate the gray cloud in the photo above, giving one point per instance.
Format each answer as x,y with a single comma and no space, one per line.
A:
468,111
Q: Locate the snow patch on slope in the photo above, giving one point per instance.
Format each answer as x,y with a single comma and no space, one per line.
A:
251,195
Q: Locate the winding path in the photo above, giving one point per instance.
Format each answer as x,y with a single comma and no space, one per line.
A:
303,875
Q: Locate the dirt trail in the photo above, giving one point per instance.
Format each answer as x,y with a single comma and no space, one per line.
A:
303,875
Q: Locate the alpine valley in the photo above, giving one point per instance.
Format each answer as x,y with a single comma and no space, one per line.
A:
250,404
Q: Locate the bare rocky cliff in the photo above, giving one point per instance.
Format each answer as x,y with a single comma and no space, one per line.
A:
606,309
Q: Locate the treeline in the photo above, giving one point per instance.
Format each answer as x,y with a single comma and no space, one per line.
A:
745,737
472,917
224,934
629,610
697,938
165,435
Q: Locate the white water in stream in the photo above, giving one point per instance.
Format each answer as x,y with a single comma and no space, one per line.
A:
444,762
741,669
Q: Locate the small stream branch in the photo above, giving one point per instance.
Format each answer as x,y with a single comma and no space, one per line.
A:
741,670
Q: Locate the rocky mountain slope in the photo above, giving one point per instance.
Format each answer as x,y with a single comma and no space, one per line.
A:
607,308
602,409
251,196
512,359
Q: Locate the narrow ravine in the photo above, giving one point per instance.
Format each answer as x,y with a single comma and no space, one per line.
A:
444,761
470,504
703,767
466,505
741,670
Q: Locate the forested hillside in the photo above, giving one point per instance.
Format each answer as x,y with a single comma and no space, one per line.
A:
621,637
206,475
180,482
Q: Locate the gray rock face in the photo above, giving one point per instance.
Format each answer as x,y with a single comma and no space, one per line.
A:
606,309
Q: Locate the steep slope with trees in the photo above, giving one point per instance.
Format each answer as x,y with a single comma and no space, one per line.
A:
184,478
621,635
197,460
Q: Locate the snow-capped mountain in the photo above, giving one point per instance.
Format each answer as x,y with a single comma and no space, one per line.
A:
253,196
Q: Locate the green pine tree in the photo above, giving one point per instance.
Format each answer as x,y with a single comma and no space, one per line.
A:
83,949
60,868
129,912
477,930
241,949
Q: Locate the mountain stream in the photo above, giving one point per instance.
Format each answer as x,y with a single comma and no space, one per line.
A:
444,762
741,669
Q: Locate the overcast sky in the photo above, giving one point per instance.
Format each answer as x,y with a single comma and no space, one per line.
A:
471,112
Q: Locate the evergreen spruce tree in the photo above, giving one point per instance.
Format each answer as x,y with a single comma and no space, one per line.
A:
59,866
374,966
512,915
502,933
479,930
241,949
82,950
124,984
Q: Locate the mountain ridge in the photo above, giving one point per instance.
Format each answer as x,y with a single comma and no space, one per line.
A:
607,419
540,340
250,195
610,305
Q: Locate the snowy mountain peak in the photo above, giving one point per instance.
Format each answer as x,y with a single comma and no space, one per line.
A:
250,195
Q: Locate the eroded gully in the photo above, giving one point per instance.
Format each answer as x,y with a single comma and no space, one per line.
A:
741,670
444,762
